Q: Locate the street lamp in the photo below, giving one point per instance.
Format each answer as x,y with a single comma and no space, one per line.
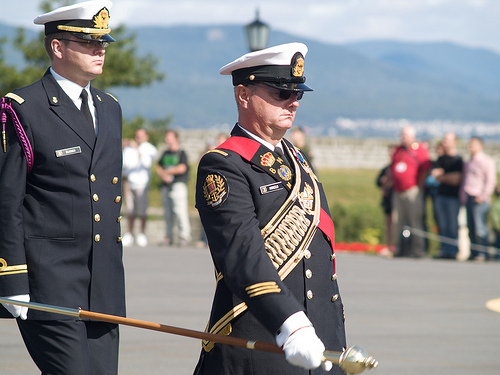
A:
257,34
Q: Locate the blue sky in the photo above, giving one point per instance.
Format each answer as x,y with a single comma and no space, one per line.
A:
474,23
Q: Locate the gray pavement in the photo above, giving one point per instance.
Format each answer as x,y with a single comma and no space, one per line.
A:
414,316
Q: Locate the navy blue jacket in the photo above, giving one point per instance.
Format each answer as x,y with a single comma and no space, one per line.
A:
60,222
245,199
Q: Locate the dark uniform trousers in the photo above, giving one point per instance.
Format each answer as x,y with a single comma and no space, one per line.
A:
236,198
60,224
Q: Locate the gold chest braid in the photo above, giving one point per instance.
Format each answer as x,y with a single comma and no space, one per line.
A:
289,232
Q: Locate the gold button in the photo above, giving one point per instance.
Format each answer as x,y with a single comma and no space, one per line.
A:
119,239
332,257
97,217
115,180
309,294
97,237
118,219
309,274
307,254
335,297
92,177
118,199
334,277
95,197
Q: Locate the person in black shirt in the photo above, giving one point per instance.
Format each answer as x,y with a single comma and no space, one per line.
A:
173,170
448,173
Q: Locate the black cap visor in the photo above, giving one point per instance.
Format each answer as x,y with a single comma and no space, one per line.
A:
277,76
94,37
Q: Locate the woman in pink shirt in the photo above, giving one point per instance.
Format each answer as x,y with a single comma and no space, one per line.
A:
478,185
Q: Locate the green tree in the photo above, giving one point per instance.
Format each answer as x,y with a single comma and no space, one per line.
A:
123,67
156,128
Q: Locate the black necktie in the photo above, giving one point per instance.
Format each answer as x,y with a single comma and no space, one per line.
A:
280,153
85,109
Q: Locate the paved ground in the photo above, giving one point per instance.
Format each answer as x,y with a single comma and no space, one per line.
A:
414,316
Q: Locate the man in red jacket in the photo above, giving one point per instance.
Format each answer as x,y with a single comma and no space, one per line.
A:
410,165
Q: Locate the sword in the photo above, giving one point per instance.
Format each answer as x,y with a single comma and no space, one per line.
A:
353,360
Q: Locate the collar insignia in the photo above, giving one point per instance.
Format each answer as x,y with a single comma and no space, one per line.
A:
267,160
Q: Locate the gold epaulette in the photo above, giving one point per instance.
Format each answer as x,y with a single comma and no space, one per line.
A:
116,100
218,151
15,97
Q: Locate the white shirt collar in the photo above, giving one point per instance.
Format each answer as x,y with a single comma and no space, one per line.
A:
261,141
72,89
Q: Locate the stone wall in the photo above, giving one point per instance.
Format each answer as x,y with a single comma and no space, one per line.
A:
331,152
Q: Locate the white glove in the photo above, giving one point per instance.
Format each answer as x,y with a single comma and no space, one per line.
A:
302,346
15,310
304,349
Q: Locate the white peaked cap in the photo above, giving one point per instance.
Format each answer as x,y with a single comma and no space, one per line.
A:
280,66
80,11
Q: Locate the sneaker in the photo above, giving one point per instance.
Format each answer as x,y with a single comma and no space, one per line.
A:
142,240
128,239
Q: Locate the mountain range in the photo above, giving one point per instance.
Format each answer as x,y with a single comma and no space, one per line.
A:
359,81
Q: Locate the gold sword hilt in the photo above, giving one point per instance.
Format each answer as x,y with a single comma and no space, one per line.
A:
353,360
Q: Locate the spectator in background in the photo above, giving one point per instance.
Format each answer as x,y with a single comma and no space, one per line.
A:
138,157
298,138
385,183
431,184
479,182
448,172
494,218
173,170
410,165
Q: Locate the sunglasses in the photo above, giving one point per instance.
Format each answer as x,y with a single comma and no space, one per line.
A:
284,94
90,43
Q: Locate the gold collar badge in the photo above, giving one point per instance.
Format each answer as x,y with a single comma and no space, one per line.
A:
267,160
101,19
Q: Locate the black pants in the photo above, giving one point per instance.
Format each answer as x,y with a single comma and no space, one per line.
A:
68,347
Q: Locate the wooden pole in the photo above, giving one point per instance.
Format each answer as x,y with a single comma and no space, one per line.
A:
353,360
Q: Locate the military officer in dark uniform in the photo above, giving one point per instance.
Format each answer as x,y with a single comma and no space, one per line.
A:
269,230
60,183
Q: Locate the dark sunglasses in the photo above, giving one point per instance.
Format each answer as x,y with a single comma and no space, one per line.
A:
284,94
90,43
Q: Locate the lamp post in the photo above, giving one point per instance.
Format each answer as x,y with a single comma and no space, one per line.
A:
257,34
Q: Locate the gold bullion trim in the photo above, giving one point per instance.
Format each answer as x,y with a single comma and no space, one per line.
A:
223,326
85,30
11,270
262,288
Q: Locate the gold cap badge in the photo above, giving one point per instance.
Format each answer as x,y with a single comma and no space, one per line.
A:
298,65
101,19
